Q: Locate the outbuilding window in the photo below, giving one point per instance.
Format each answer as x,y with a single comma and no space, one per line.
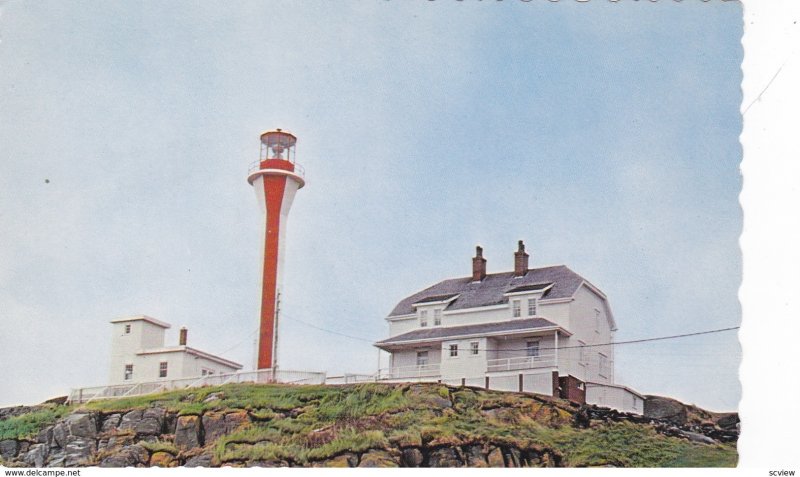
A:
127,329
128,372
162,369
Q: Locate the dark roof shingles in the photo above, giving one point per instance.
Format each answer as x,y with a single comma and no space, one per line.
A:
490,290
445,332
435,298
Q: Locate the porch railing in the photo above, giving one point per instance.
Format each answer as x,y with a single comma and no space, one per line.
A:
82,395
520,362
351,378
403,372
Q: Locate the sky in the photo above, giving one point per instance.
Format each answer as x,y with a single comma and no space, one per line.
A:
604,135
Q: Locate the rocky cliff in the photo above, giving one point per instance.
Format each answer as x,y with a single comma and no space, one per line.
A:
367,425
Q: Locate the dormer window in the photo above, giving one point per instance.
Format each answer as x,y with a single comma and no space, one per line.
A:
531,306
516,308
423,318
437,317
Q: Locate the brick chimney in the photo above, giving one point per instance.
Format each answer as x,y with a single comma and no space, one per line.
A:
478,265
520,261
182,336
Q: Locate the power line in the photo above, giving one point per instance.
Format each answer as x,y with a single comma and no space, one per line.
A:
329,331
613,343
239,343
644,340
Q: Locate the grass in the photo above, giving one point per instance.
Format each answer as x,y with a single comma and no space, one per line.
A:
28,425
160,446
624,444
266,442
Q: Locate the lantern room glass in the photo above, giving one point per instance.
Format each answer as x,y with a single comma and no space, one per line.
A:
278,145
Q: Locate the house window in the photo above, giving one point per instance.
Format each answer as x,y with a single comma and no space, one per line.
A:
422,358
128,372
423,318
453,350
473,347
531,306
532,349
583,358
127,329
516,308
162,369
207,372
603,365
437,317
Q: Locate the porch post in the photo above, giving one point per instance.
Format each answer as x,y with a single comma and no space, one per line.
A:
555,352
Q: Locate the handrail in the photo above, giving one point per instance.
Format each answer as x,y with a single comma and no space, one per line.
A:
414,371
298,169
520,362
87,394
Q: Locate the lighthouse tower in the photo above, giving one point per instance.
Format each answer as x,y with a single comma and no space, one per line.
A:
275,178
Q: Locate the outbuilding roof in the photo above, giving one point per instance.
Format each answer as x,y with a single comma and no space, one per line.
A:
146,318
192,351
491,290
425,334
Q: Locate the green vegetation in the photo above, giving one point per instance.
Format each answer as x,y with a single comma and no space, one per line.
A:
304,424
624,444
28,425
231,396
160,446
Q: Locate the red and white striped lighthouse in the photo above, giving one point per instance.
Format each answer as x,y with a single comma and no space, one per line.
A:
275,177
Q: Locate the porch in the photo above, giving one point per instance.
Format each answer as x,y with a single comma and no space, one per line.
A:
535,351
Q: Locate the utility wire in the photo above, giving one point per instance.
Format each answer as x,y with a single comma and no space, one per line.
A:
239,343
644,340
613,343
329,331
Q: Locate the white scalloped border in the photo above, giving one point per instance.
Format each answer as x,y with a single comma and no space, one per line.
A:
770,241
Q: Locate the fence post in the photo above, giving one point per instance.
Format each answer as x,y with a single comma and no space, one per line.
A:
520,382
463,382
487,382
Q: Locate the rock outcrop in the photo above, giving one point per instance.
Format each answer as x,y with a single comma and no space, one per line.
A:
158,437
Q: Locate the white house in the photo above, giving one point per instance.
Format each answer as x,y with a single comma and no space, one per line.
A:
138,354
543,330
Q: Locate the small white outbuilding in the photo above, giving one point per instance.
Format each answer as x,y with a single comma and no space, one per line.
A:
138,354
